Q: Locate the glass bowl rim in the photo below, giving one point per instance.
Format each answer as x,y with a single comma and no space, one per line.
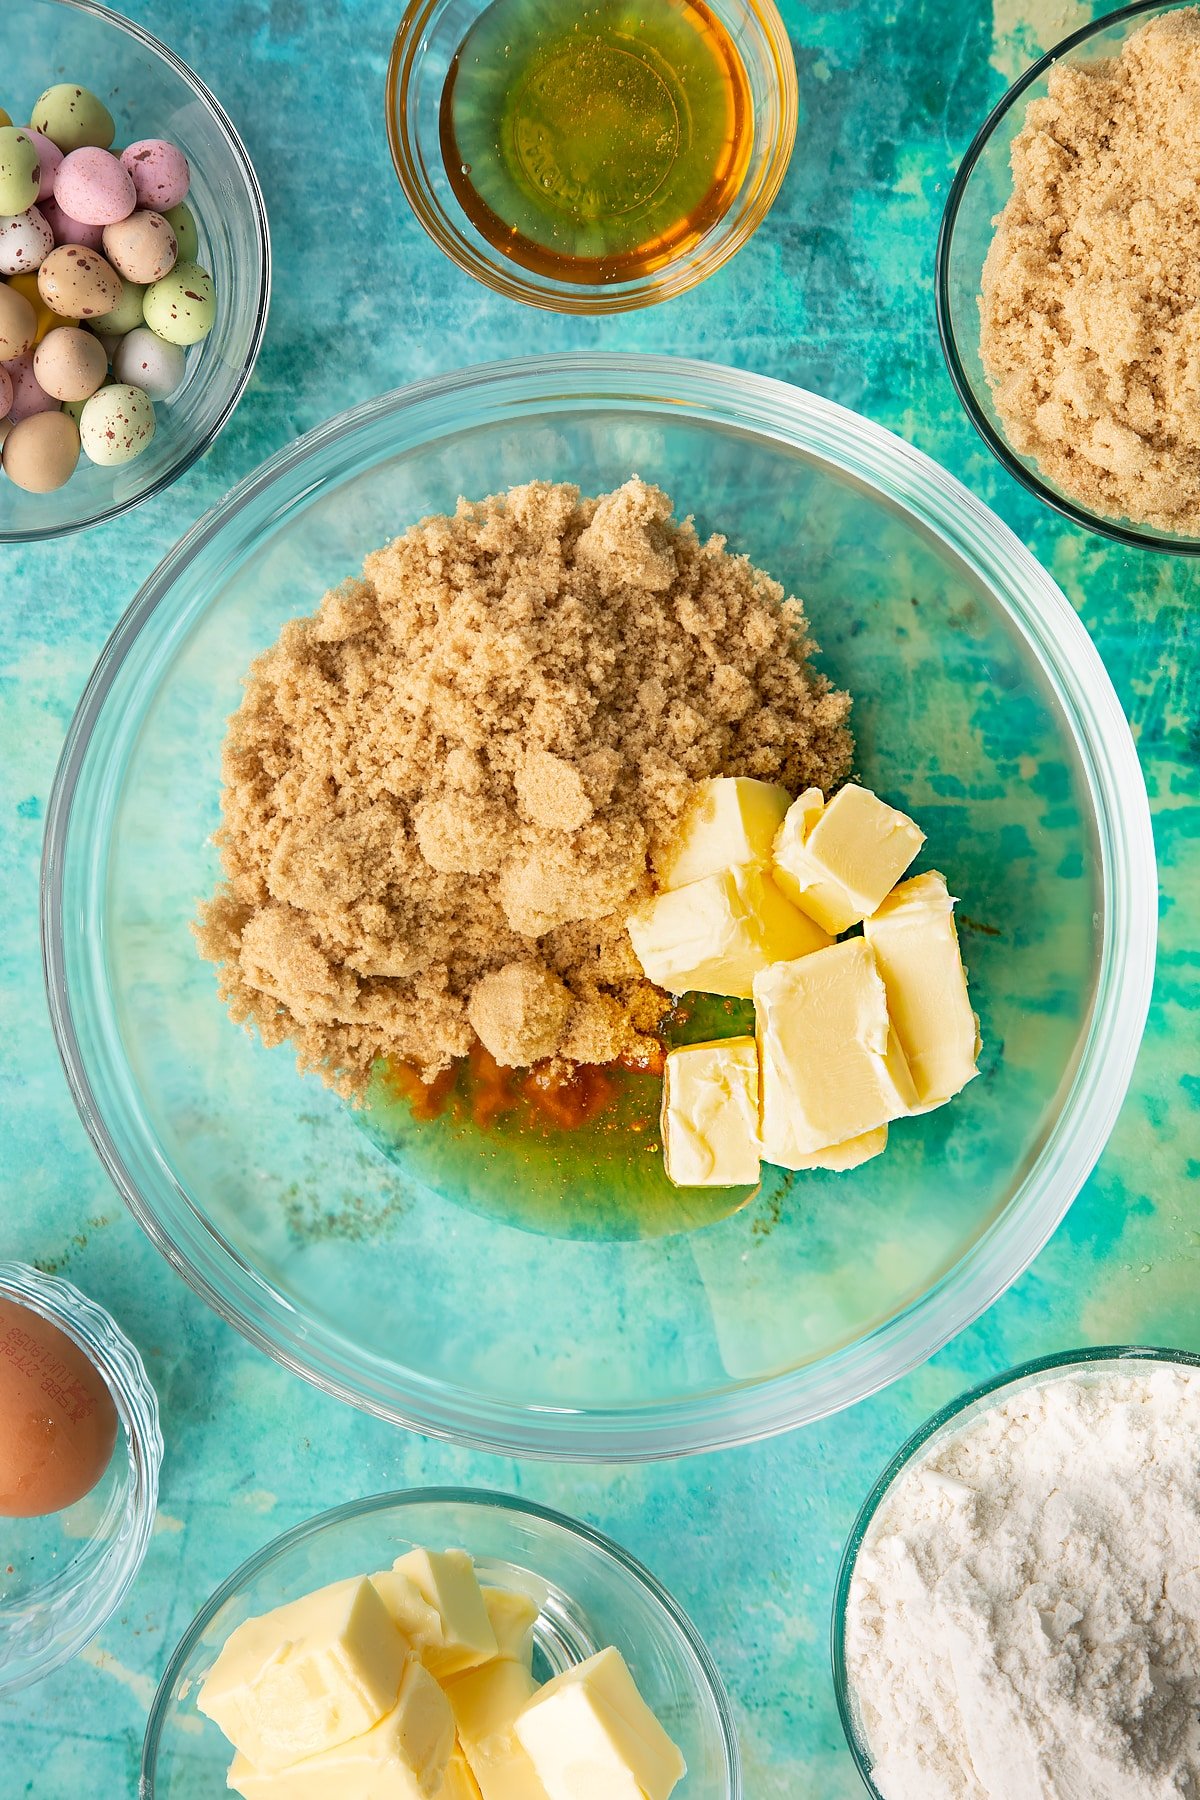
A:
93,1328
1036,610
192,452
516,283
963,386
484,1499
1019,1375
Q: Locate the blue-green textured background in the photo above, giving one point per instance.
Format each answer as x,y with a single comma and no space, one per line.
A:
835,293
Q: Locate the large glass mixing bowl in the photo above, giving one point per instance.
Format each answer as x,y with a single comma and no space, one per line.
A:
981,707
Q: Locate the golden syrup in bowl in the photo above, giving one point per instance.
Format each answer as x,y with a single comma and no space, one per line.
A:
596,143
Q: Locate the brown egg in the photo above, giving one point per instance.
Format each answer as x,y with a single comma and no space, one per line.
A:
70,363
40,454
18,323
77,283
58,1423
142,247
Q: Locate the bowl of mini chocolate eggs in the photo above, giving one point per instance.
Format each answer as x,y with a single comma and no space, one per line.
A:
134,267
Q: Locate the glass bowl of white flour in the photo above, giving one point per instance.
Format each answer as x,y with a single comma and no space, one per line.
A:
1017,1613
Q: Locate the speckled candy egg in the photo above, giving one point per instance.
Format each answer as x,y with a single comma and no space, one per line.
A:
93,186
141,248
49,158
116,424
6,391
44,317
29,396
72,116
149,362
68,230
70,363
40,453
20,171
25,242
18,323
183,224
78,283
182,307
160,173
125,315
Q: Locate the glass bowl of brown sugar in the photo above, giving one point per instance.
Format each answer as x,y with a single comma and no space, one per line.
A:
595,159
398,1260
1064,277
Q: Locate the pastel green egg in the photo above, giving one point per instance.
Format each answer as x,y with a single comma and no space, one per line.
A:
182,306
116,424
20,171
71,116
183,224
125,316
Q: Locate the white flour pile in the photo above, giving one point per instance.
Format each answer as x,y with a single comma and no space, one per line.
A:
1024,1620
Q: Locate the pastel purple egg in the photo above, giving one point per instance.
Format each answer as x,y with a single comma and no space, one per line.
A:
49,157
6,392
68,230
93,186
25,242
160,173
28,394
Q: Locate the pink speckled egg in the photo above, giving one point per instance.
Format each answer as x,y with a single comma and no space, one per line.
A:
6,392
25,242
93,186
160,173
28,394
49,157
68,230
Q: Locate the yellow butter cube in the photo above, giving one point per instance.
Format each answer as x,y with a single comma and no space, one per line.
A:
404,1757
710,1113
713,936
459,1783
851,1155
837,862
308,1676
730,820
446,1581
411,1613
832,1067
916,948
512,1616
485,1703
591,1736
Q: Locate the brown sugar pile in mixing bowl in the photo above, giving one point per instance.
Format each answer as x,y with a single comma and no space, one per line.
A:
1091,288
441,791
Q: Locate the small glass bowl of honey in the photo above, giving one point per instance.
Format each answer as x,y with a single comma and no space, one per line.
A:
596,157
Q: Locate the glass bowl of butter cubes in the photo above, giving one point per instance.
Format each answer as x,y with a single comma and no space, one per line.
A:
992,766
441,1644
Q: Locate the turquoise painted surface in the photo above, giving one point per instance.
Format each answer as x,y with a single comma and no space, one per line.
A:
835,293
